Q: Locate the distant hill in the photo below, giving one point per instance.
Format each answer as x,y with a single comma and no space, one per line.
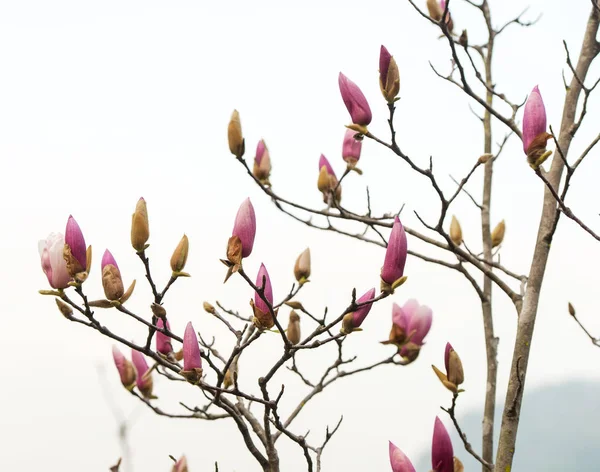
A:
559,431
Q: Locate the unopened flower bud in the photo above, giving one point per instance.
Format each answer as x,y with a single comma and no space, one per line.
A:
163,342
228,378
293,329
111,277
181,465
192,360
144,375
328,182
456,231
534,129
158,310
389,75
571,309
498,234
75,253
352,321
53,263
234,135
263,319
355,101
125,368
463,39
351,148
140,229
65,309
485,157
245,227
392,272
302,267
454,375
208,308
442,454
180,255
434,9
399,461
262,163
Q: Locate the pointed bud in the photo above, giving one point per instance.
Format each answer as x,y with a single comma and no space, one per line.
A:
54,264
262,163
389,75
534,129
144,375
355,101
442,454
485,157
234,135
111,277
163,342
352,321
399,461
328,181
434,9
395,257
498,234
449,22
302,267
454,368
181,465
228,378
456,231
571,309
208,308
158,310
74,251
180,255
124,367
192,360
293,329
140,229
245,227
65,309
262,312
463,39
351,148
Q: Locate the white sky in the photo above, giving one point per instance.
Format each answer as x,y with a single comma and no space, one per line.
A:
104,102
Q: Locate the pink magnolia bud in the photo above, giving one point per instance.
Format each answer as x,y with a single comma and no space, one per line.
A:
77,262
353,320
262,163
351,148
163,342
111,277
399,461
191,351
328,181
355,101
389,75
53,262
144,378
245,227
395,255
268,290
181,465
442,454
124,367
534,124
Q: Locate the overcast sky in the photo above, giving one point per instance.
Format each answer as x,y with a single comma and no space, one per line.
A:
104,102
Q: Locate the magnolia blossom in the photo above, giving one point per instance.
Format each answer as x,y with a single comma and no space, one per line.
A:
163,342
355,101
245,227
351,147
191,350
124,367
534,120
53,262
267,291
412,321
144,379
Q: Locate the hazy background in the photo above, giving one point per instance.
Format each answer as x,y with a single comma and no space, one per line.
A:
104,102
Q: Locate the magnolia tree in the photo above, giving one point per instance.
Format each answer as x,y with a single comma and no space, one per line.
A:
255,408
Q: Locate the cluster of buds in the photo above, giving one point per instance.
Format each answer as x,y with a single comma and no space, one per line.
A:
410,325
353,320
328,182
454,375
534,129
442,453
392,272
262,164
135,372
263,310
241,242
